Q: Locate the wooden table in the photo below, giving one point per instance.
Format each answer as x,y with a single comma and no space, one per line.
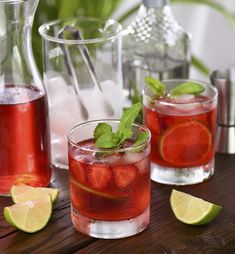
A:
164,235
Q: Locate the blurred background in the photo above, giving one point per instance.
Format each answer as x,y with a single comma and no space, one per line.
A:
211,22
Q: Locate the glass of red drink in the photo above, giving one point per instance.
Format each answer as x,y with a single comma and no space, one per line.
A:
109,188
183,134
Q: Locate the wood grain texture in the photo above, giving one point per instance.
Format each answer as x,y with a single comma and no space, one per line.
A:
164,235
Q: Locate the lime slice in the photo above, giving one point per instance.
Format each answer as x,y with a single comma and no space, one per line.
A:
192,210
29,216
22,193
95,192
186,144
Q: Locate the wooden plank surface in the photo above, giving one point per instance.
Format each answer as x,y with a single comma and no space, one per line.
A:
164,235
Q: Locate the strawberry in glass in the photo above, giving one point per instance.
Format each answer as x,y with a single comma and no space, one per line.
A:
109,170
181,115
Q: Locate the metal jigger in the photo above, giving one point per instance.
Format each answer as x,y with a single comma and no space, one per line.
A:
224,81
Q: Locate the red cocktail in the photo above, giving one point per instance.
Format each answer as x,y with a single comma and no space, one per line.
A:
183,135
24,138
109,188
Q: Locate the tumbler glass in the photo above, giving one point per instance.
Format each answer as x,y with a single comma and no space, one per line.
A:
183,134
82,74
109,188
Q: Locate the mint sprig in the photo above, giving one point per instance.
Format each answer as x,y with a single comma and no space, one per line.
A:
159,88
106,138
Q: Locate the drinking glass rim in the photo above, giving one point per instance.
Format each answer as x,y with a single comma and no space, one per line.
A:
45,27
118,150
207,100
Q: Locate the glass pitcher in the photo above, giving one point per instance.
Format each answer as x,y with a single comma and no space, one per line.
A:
24,125
82,74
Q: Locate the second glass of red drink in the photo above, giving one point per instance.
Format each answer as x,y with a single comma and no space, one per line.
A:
182,121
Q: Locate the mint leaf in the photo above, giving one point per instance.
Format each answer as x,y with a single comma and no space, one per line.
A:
101,129
104,136
128,117
141,138
156,86
187,88
107,140
121,136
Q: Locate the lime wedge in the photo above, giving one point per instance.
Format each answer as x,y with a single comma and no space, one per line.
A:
29,216
22,193
192,210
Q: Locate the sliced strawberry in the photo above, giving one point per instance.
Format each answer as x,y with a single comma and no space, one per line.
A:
124,175
79,171
99,176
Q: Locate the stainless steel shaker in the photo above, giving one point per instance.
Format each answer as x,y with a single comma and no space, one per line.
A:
224,81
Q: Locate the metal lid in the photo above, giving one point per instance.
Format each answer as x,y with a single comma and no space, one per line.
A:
155,3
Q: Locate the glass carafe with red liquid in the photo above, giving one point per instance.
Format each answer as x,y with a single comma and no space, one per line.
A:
24,131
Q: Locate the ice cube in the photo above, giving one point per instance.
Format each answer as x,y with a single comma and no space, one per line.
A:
59,149
56,87
132,157
185,98
114,159
112,92
183,105
63,100
96,101
93,103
